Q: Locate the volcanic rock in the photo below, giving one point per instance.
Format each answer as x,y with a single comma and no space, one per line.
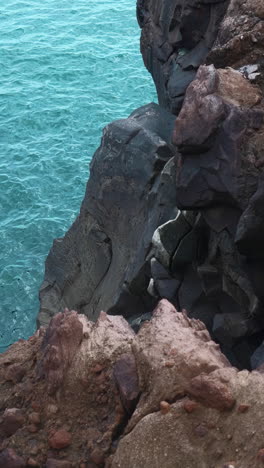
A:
175,40
100,263
171,348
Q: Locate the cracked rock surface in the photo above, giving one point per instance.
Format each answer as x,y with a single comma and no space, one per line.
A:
80,394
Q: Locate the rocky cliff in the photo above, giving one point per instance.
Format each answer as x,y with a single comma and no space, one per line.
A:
173,211
173,205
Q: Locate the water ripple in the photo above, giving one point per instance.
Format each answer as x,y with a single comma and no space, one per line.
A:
66,71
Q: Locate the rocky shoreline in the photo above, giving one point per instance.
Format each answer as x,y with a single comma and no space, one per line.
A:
172,220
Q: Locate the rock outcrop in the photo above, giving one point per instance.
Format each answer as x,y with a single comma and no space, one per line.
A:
82,394
176,39
128,195
173,209
173,206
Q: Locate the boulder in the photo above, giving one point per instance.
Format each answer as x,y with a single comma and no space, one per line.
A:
171,348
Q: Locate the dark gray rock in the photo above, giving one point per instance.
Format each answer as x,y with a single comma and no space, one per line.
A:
175,40
100,263
250,229
167,288
257,358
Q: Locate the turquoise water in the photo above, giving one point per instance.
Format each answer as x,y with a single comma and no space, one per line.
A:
67,68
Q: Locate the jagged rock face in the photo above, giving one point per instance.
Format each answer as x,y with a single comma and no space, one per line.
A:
129,193
59,391
240,38
215,253
176,38
130,245
81,394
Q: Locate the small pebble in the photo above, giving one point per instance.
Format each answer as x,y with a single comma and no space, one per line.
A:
164,407
32,462
60,439
34,418
190,406
243,408
52,409
201,430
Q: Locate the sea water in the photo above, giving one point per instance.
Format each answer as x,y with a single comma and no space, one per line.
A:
67,68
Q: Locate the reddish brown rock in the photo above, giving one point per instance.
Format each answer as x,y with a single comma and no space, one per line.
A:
190,406
193,353
9,459
62,339
60,439
211,392
164,407
243,408
13,419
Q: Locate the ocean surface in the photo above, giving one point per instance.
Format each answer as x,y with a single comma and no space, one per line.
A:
67,68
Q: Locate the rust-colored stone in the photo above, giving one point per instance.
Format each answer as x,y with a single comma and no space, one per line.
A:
60,439
243,408
211,392
164,407
190,406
